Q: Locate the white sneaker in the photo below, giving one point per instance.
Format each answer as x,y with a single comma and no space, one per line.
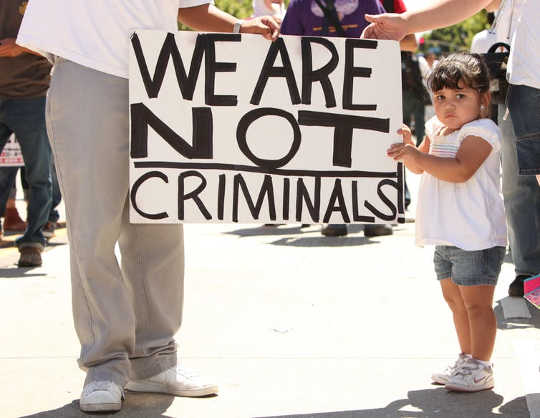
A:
472,376
101,396
175,381
442,377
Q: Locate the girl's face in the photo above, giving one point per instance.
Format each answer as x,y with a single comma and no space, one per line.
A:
456,107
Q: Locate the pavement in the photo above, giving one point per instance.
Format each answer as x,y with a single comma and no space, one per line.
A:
290,323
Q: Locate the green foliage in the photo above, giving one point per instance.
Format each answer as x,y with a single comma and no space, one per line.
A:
238,8
457,37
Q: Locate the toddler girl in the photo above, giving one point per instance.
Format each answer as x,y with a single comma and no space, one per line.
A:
460,210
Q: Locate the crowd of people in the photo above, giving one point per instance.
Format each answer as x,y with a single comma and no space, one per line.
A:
127,313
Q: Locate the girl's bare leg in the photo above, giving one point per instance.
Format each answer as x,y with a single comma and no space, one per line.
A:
452,295
478,301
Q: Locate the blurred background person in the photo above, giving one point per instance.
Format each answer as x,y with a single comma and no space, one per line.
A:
24,80
274,8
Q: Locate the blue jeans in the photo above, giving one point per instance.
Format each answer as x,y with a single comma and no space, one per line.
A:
26,118
524,105
9,175
522,205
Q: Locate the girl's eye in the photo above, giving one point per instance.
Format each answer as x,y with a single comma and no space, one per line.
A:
439,97
460,96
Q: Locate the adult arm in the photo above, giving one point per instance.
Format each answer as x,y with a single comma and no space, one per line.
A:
493,6
8,48
209,18
438,14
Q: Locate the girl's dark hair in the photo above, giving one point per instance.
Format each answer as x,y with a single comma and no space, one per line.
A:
470,68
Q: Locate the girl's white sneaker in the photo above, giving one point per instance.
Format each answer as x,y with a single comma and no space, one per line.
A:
473,376
442,378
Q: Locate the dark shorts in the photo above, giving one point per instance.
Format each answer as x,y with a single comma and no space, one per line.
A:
468,268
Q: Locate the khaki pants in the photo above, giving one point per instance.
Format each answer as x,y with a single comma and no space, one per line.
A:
125,314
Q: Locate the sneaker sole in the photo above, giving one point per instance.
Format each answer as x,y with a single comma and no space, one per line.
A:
100,407
439,381
454,388
159,388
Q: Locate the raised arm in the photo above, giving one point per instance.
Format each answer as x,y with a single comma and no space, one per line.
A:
436,14
209,18
470,156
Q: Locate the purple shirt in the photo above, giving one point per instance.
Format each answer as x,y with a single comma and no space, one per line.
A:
304,17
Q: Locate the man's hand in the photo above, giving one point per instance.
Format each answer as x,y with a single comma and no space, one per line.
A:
267,26
8,48
386,26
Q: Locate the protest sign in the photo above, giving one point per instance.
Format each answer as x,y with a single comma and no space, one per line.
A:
11,155
235,128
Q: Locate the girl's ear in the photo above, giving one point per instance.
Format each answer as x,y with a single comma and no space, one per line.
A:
485,100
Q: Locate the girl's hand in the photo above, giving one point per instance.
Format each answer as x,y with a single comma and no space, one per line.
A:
403,152
406,133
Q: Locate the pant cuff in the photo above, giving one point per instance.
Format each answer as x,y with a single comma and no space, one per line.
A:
145,367
116,371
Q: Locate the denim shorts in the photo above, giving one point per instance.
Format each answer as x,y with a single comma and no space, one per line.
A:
468,268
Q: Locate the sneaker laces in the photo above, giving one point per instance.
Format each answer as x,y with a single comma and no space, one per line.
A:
451,368
466,369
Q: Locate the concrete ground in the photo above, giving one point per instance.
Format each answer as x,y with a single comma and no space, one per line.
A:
290,323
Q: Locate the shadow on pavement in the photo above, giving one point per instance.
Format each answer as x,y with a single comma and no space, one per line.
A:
19,273
136,405
289,229
320,241
435,403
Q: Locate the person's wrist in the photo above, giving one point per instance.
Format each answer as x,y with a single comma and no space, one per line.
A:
237,27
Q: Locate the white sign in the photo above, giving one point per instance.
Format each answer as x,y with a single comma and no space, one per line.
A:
235,128
11,155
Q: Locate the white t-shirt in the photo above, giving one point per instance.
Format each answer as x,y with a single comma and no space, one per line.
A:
95,33
524,62
467,215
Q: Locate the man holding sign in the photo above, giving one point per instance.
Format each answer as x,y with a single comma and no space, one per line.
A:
125,315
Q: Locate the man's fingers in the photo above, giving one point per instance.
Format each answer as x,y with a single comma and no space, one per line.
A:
271,23
368,32
266,26
371,18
